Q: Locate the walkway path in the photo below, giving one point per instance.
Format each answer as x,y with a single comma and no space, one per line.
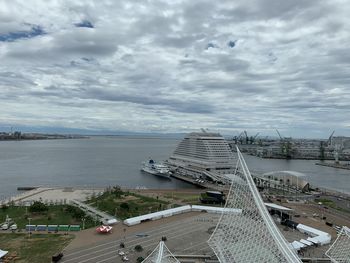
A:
94,212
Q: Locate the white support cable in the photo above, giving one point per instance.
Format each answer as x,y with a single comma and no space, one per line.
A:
276,234
339,251
161,254
250,236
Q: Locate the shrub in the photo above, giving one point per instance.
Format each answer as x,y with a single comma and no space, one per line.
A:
76,212
140,259
124,206
138,248
38,207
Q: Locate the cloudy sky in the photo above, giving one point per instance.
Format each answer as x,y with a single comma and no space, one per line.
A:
176,66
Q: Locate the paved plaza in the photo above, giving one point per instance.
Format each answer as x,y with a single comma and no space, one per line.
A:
186,236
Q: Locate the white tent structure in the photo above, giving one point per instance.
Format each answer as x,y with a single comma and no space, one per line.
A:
339,252
317,236
161,254
249,236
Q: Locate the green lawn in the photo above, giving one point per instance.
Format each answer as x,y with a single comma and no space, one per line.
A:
127,204
56,215
332,204
188,198
37,248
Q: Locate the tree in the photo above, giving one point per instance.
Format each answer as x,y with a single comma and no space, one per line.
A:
38,207
117,191
140,259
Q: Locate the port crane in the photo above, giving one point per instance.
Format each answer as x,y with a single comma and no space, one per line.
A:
329,142
250,139
286,146
247,139
238,138
336,146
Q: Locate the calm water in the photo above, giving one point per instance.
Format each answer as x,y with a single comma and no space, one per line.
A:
318,176
102,161
98,161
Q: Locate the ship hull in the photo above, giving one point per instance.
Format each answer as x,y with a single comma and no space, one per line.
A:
156,173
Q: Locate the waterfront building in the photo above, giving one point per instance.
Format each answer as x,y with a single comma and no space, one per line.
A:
203,155
291,179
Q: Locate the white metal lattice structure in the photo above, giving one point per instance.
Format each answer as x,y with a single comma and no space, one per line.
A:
249,236
339,252
161,254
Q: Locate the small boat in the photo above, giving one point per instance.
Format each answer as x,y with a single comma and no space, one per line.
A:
154,168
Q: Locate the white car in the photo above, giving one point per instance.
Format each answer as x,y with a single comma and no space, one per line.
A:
121,253
13,227
125,258
5,226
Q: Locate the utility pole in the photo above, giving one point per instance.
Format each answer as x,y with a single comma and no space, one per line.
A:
83,219
29,227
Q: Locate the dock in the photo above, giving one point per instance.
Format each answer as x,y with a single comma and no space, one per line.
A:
205,184
335,165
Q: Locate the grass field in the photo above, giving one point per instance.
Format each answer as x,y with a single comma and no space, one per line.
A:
127,204
187,198
37,248
56,214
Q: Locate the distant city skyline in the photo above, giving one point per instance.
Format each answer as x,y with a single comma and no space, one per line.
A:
176,67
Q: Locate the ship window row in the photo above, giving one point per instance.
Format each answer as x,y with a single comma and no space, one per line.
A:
211,153
204,147
223,153
204,152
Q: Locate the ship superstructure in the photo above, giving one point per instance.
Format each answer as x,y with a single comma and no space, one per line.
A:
203,155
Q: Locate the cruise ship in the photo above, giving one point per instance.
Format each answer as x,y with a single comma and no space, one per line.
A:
203,155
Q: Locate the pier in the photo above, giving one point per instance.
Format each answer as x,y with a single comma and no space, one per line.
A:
335,165
205,184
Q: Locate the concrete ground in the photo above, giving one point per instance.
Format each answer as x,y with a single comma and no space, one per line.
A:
186,234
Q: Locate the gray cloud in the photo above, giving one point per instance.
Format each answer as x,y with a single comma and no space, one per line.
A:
146,66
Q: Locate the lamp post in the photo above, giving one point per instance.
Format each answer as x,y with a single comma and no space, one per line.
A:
29,227
83,220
